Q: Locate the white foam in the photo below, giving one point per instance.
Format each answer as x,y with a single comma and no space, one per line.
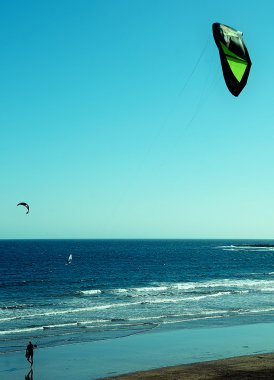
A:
119,290
79,310
185,286
91,292
90,322
180,299
226,283
17,331
190,320
150,289
241,285
245,248
147,318
60,325
260,310
9,319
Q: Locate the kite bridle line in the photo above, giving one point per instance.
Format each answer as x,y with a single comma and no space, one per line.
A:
164,124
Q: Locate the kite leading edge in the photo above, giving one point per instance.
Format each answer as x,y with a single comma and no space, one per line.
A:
24,204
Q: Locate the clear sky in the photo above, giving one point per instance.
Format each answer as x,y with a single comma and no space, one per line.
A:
116,121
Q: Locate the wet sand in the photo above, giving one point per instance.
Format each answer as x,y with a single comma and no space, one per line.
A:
178,354
242,368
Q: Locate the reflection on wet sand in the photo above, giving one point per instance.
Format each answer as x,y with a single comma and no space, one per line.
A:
29,376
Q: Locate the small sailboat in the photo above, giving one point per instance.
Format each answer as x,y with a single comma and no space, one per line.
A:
69,260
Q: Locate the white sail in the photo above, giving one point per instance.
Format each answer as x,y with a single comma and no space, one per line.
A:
69,259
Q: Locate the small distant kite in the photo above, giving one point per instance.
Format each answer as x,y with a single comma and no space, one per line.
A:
234,57
24,204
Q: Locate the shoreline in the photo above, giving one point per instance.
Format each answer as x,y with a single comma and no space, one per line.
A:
161,352
242,368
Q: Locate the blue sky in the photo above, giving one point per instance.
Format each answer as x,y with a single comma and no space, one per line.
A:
116,121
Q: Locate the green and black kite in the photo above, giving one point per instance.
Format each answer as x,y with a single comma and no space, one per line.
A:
234,56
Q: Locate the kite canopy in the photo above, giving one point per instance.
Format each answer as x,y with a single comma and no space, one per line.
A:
24,204
234,56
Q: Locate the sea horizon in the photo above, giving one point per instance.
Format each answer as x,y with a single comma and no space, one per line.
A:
141,238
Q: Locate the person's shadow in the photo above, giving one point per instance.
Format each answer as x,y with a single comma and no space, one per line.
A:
29,376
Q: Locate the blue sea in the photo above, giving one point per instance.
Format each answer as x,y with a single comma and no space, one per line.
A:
115,288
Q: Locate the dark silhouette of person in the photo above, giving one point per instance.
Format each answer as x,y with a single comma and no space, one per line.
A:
29,352
29,376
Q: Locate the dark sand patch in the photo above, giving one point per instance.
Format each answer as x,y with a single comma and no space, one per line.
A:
239,368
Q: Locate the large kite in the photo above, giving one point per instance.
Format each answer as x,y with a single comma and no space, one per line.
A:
234,56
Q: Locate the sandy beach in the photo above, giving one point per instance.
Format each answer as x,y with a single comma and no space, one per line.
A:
245,367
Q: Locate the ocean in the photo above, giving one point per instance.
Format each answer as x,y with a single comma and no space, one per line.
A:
115,288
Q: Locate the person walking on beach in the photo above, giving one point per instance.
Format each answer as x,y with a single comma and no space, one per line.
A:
29,352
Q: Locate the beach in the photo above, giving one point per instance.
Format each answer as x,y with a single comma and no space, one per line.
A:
244,367
134,354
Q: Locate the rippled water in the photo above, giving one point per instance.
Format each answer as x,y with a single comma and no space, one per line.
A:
121,287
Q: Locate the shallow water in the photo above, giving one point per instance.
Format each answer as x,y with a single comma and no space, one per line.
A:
94,360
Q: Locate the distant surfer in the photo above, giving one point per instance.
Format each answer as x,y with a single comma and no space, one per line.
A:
29,352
